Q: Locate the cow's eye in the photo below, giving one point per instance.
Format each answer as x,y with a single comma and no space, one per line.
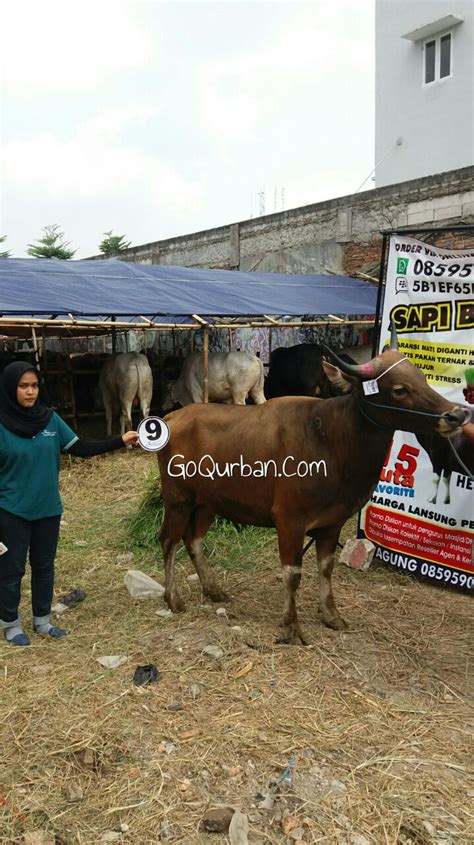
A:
400,391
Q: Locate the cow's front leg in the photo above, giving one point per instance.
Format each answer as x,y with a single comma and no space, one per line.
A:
172,530
326,546
197,528
290,544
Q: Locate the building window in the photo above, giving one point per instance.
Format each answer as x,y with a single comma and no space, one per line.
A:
445,56
437,58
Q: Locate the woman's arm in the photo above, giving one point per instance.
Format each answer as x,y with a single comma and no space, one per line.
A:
89,448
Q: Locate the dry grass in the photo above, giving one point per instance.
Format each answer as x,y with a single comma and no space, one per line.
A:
375,720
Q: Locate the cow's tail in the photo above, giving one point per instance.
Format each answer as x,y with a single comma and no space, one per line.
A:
257,393
140,393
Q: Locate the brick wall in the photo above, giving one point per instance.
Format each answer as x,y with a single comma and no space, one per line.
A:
341,235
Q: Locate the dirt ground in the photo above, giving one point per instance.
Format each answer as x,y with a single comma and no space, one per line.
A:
362,737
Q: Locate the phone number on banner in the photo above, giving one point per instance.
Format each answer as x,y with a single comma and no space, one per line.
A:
433,571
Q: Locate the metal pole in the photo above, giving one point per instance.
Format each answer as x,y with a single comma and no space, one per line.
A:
205,365
375,342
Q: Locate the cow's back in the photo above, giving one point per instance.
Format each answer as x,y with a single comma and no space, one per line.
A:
123,373
228,373
295,371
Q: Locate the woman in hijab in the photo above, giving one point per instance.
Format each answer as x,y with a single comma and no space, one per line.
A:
32,436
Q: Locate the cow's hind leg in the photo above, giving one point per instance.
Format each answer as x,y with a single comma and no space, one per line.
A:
172,531
447,482
290,544
145,403
326,543
196,530
257,395
126,417
108,414
436,479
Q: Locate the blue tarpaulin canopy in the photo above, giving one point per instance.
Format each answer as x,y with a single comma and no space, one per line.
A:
108,288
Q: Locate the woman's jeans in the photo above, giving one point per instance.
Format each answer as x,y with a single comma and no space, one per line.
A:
40,537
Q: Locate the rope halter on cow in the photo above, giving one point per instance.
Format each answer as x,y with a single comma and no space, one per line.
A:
358,371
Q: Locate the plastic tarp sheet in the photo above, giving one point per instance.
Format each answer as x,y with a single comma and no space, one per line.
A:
44,287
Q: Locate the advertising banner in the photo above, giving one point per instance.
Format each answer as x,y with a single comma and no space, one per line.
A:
421,515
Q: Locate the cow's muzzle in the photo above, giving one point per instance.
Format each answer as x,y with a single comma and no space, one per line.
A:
452,420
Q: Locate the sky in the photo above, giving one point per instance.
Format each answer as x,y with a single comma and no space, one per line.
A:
156,119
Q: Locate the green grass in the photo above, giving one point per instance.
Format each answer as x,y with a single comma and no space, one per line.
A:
228,544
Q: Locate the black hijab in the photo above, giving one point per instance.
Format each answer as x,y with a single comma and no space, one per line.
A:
25,422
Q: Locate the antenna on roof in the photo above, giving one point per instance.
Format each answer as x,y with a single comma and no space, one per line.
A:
261,196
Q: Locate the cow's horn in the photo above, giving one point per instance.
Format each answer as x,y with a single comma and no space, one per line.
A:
393,337
360,371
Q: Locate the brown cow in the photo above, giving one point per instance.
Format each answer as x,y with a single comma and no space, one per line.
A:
346,439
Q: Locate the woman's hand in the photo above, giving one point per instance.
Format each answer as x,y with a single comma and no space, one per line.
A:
130,438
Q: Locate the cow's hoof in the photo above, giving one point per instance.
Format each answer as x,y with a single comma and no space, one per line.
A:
337,623
217,595
175,604
291,635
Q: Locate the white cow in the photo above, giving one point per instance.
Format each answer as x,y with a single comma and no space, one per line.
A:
125,381
232,376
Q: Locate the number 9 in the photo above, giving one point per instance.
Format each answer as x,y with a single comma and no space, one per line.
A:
152,429
153,434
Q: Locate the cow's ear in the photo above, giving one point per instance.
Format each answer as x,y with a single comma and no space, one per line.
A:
339,380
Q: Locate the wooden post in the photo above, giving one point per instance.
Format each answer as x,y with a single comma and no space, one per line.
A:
114,338
205,365
35,348
72,395
44,358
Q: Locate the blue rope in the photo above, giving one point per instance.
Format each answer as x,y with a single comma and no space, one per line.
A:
286,774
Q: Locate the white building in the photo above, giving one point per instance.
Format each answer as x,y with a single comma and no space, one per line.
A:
424,100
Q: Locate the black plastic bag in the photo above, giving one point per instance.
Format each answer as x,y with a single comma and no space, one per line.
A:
147,674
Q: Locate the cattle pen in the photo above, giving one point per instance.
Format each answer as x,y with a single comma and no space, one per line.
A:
363,737
42,299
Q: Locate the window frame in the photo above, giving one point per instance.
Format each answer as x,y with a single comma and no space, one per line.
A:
437,63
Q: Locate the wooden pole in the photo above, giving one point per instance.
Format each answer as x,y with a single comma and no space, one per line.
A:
35,348
72,395
205,365
89,327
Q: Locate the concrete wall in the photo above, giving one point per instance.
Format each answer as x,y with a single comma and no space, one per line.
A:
339,236
436,121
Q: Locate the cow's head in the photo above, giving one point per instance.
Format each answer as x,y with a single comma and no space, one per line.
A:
404,399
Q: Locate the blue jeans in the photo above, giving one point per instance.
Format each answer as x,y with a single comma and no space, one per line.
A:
40,537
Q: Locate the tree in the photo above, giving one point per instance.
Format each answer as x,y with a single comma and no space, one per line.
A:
6,253
113,243
51,245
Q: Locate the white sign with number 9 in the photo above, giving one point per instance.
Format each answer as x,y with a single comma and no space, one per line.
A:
153,434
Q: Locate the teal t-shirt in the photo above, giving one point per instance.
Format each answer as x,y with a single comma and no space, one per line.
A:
29,470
